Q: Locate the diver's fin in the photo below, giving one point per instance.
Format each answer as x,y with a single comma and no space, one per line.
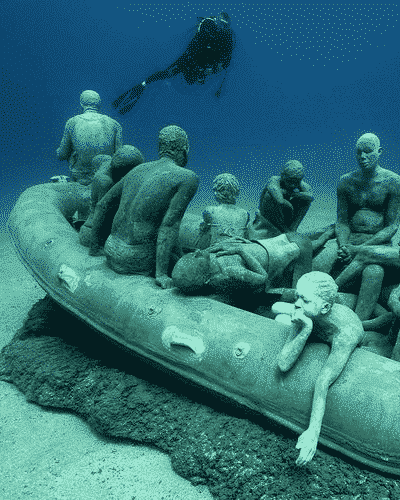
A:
131,95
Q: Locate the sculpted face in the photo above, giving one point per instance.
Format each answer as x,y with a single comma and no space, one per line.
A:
367,153
309,302
290,183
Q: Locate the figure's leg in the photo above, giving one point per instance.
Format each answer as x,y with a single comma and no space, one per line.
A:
328,234
325,260
272,211
368,254
262,228
370,290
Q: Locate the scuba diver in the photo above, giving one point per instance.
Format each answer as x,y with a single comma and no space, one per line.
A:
209,52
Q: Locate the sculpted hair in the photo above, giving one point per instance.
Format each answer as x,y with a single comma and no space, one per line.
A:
293,169
90,98
323,284
226,188
172,139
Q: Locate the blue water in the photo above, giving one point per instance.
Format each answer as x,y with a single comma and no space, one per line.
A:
306,80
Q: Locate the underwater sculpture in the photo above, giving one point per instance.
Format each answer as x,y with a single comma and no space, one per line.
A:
285,200
368,216
209,52
315,311
111,169
394,305
239,264
225,349
148,203
86,136
224,220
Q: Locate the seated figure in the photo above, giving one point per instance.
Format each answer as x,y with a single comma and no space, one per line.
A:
237,263
110,170
225,220
138,220
368,216
285,200
86,136
316,315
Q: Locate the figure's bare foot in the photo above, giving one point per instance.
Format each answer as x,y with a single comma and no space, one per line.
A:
307,444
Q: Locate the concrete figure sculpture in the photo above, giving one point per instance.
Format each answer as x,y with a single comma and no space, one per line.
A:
316,313
139,218
86,136
225,220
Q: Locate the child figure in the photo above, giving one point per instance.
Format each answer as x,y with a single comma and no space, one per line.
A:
316,311
224,220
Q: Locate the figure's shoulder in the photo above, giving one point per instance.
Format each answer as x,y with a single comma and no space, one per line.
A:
72,121
189,175
110,120
347,180
346,320
274,179
350,176
390,176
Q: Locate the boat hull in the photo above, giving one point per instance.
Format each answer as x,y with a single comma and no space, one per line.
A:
220,347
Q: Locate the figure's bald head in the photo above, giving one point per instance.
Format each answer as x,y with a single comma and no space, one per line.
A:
174,143
123,160
192,271
90,98
370,139
368,151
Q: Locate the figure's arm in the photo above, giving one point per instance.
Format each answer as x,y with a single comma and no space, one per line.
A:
248,227
103,217
301,329
275,189
342,348
305,192
204,238
66,147
342,227
255,274
169,228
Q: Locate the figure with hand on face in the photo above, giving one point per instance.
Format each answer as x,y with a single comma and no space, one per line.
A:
316,315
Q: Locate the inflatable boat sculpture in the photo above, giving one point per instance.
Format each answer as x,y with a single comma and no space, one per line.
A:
228,350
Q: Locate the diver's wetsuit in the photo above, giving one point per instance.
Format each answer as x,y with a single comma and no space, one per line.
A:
210,51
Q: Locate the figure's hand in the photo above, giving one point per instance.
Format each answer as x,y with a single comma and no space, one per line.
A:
164,281
228,248
303,195
299,318
344,254
307,444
